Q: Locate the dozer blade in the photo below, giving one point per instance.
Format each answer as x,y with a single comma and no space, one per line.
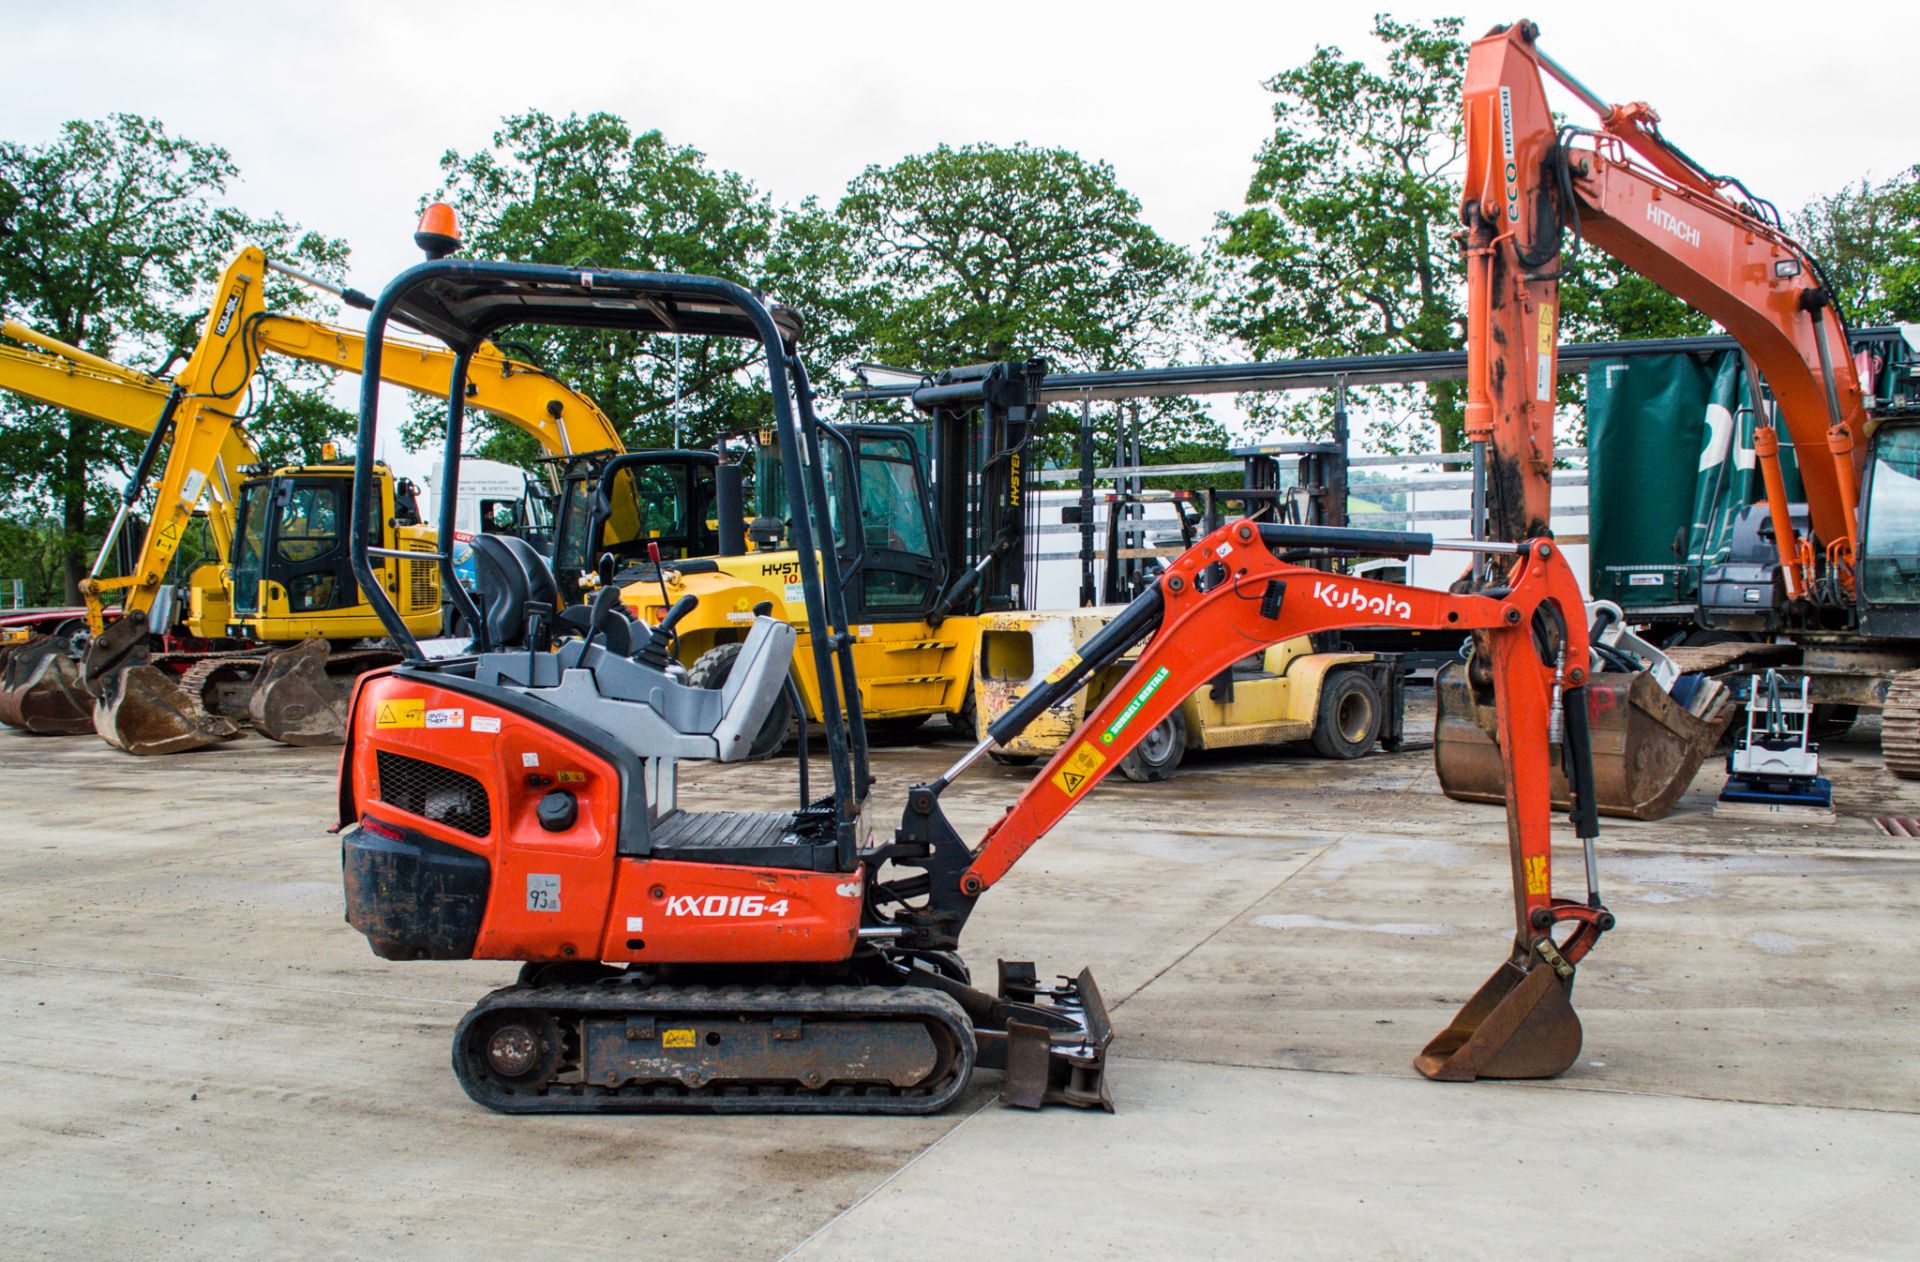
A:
1055,1043
297,699
1520,1024
40,690
144,710
1647,747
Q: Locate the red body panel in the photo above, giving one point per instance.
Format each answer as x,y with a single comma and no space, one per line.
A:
567,895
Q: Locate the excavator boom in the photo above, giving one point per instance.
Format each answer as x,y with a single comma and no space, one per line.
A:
1531,191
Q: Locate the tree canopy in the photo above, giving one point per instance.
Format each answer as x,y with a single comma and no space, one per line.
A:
591,190
111,235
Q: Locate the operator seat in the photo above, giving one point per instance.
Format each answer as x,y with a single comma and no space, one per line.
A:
655,719
510,576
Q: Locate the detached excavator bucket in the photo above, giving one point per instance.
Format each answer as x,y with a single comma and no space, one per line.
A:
145,710
1519,1024
40,689
1647,745
301,695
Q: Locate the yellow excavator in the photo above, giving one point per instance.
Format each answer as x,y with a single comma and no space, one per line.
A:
282,533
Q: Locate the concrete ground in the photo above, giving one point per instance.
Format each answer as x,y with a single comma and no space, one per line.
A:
202,1060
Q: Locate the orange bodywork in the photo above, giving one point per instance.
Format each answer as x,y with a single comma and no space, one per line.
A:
603,906
1640,200
1202,632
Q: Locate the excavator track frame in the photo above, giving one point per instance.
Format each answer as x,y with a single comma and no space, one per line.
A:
627,1045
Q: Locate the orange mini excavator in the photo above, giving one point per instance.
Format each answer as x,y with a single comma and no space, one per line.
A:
519,803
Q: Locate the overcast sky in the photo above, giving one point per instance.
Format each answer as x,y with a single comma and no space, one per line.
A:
337,114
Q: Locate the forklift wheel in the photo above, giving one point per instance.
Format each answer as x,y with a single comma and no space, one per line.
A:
1348,719
1158,752
710,670
1012,760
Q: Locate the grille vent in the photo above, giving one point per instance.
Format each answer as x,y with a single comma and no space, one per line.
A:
423,585
434,792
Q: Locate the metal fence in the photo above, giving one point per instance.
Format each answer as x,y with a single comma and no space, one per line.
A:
13,593
1135,529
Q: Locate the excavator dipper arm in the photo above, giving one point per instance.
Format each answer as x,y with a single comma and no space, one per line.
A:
1530,189
1231,596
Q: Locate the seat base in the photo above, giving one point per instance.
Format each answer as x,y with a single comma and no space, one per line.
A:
764,839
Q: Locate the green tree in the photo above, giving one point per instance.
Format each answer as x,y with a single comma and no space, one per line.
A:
111,236
984,252
1867,236
590,190
1345,244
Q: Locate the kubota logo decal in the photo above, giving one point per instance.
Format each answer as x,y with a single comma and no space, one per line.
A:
1336,596
725,905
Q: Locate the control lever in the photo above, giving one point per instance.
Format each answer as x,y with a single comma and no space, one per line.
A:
660,576
655,652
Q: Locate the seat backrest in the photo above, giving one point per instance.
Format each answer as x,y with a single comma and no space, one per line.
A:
509,575
752,686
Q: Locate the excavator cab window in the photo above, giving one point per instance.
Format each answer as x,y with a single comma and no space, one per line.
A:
250,545
900,572
1890,553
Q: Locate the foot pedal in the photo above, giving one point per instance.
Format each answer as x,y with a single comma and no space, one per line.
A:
1056,1040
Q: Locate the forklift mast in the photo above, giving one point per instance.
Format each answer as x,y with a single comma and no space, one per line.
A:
983,418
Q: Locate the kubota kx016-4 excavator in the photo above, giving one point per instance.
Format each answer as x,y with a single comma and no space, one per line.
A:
1844,583
285,578
519,804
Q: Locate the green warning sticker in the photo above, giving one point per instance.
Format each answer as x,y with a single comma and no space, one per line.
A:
1125,716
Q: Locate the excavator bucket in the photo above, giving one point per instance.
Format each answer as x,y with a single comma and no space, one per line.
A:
40,689
145,710
1647,743
300,697
1519,1024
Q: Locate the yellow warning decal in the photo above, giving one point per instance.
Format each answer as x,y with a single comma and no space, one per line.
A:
1545,391
1059,672
402,712
676,1038
1536,866
572,777
1078,769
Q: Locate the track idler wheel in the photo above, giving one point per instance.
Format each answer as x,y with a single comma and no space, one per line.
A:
40,689
143,710
1519,1024
296,700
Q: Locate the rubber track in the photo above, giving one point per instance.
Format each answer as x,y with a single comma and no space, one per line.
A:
1900,726
565,1003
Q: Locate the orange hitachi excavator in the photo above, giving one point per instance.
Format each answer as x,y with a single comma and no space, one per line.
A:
519,803
1839,580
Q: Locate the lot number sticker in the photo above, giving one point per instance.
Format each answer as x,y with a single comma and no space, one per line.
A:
543,891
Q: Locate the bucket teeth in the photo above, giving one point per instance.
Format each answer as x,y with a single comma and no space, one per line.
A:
1519,1024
